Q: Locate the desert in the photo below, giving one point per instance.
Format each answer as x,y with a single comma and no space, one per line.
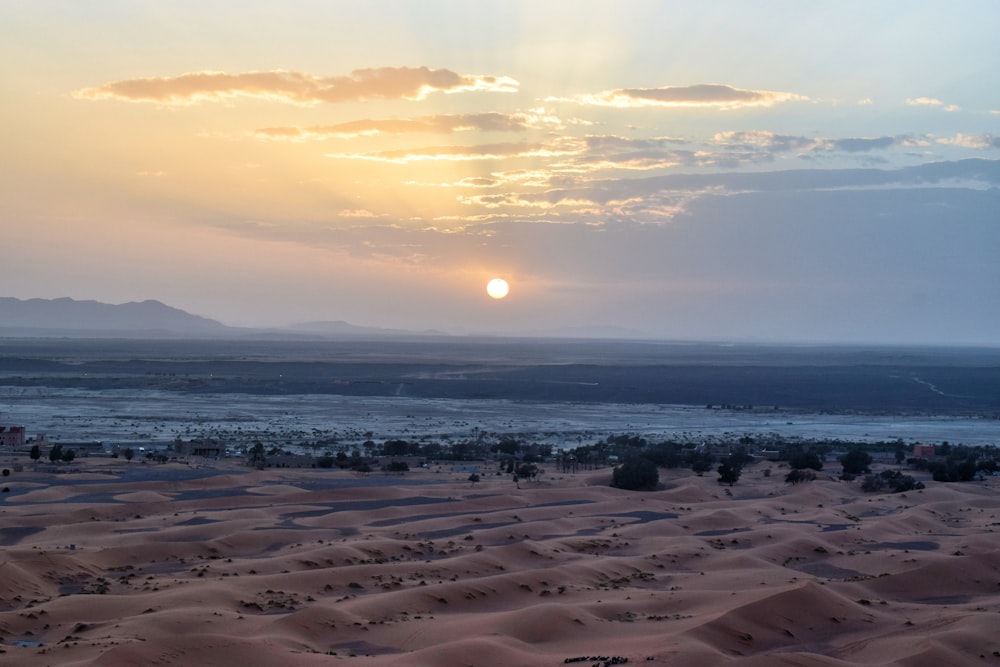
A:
164,558
129,563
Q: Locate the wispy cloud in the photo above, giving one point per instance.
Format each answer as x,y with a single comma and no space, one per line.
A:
923,102
931,102
780,143
406,83
356,213
439,124
466,153
770,141
711,95
976,141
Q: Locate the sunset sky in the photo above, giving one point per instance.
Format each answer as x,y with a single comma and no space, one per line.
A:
800,171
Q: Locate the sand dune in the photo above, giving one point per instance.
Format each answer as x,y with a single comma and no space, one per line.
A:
164,565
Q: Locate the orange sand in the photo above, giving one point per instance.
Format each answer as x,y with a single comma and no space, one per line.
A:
287,568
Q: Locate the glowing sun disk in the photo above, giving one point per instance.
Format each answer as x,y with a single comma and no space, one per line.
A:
497,288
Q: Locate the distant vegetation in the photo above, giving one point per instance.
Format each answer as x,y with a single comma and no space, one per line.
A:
891,480
638,473
959,463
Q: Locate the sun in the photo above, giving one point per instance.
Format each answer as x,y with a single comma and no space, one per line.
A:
497,288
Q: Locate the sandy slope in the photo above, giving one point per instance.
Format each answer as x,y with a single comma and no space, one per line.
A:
324,568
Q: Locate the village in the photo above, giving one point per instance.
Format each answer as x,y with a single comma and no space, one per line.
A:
484,454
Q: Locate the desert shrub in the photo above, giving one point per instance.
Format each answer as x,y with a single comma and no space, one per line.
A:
872,484
893,480
798,476
635,474
856,462
325,462
396,466
902,482
6,472
804,460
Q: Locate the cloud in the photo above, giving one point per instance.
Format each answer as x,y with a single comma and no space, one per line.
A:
356,213
466,153
931,102
406,83
764,140
804,235
439,124
711,95
780,143
924,102
972,141
863,144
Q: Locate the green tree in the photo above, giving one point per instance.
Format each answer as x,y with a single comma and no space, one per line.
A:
636,473
900,455
395,448
473,478
528,470
508,446
36,452
701,462
56,453
730,471
856,462
69,455
258,458
129,453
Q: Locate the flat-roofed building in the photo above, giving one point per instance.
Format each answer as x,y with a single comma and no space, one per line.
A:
12,437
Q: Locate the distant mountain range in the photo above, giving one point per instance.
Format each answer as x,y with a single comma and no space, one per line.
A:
67,317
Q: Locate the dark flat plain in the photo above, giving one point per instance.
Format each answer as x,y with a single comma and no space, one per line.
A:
960,381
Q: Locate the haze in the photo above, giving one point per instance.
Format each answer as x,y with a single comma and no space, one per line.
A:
783,171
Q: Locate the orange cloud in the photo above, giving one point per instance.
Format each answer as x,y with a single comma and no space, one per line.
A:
440,124
407,83
466,153
715,95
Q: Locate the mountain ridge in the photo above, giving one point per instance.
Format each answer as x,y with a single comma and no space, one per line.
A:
67,317
64,315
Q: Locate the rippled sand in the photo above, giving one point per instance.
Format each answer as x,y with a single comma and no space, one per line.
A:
159,565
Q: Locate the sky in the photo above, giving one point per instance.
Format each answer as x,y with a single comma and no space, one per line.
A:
760,171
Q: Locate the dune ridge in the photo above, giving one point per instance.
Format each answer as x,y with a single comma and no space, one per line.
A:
314,567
